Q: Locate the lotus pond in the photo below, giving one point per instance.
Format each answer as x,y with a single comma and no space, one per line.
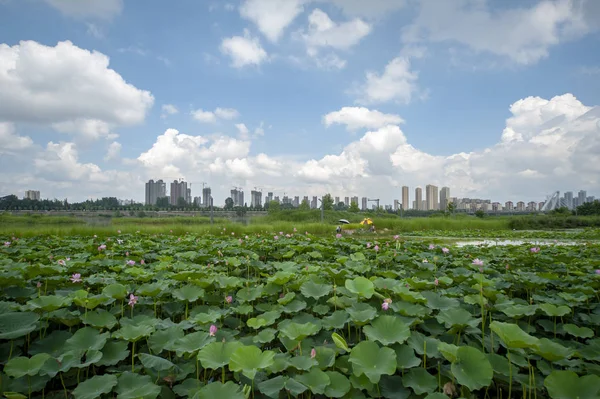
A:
294,315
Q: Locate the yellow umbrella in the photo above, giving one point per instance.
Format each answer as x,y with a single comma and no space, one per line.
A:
367,221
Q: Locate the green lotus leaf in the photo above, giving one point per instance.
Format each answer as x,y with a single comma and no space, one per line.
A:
553,310
155,362
420,381
17,324
133,333
580,332
566,384
113,352
296,331
361,286
21,366
165,339
100,319
387,330
518,310
449,351
340,342
552,351
287,298
339,385
369,359
361,312
457,317
86,338
92,356
472,368
49,303
192,343
272,387
263,320
116,291
405,357
513,336
392,387
336,320
311,289
316,380
249,360
52,344
135,386
217,354
95,387
250,294
189,293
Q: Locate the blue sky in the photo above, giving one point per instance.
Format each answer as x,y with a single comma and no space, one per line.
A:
280,67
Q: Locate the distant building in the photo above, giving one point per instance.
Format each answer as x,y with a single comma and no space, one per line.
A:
179,189
154,191
431,197
206,194
314,204
418,204
354,199
520,206
364,204
32,195
347,201
238,197
444,196
405,198
255,199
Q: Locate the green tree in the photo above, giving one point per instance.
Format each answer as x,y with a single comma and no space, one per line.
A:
228,203
274,206
353,207
327,202
304,205
451,207
480,213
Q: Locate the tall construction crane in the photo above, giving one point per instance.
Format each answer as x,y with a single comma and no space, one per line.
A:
374,200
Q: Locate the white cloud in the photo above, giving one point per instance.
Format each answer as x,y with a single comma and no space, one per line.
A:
523,35
168,109
271,16
554,144
10,141
242,131
212,116
105,9
323,32
113,151
398,82
227,113
260,130
91,129
68,87
359,118
244,50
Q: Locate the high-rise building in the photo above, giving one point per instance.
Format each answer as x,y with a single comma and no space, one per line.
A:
364,204
354,199
269,197
418,198
238,197
178,190
337,200
255,199
569,199
154,191
581,197
206,197
347,201
314,204
431,197
32,195
444,196
396,205
405,198
296,201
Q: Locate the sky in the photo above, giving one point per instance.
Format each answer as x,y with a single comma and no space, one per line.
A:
496,99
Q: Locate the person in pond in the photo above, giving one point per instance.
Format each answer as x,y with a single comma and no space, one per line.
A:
338,229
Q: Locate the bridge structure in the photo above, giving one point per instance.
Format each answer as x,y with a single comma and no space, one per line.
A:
552,202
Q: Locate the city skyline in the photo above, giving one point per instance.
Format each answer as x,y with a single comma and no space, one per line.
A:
349,97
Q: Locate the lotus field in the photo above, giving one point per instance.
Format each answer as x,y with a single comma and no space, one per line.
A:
281,315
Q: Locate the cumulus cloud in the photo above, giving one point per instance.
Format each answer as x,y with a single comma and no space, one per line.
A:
168,109
114,149
552,144
67,87
359,118
369,9
271,16
244,50
523,35
212,116
10,141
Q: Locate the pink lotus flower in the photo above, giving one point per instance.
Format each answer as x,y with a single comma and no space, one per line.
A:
425,261
368,245
276,238
445,250
535,250
7,243
119,231
396,237
338,235
477,262
295,230
132,300
313,353
229,298
127,253
130,262
246,237
39,284
385,306
142,262
376,248
76,278
102,247
95,236
436,282
62,262
233,233
281,233
212,330
431,246
598,271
